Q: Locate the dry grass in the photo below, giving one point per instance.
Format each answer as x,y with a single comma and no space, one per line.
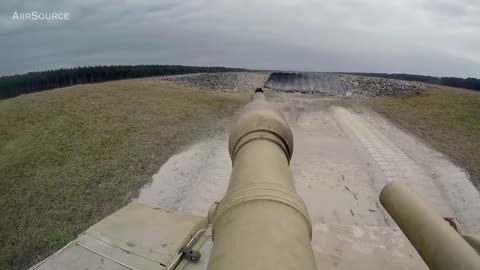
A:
70,157
447,119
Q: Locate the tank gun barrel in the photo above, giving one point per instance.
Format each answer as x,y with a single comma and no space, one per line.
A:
261,223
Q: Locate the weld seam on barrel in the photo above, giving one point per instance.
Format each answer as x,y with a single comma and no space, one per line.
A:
286,197
241,142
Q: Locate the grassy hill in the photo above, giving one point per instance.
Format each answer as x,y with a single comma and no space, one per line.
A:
446,118
71,156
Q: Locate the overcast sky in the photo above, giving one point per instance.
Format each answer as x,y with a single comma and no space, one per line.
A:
431,37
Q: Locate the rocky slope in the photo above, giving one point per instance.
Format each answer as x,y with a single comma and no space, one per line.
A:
224,81
304,82
371,86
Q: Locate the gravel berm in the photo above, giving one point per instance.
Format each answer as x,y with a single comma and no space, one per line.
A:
372,86
331,84
223,81
336,84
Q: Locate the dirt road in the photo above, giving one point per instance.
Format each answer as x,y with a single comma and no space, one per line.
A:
342,159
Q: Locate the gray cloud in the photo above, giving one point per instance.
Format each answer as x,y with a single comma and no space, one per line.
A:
433,37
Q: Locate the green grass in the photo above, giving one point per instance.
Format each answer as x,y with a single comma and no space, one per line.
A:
447,119
70,157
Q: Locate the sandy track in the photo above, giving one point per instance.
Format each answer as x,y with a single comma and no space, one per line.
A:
342,159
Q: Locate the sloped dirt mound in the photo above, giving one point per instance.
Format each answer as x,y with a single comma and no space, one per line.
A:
306,82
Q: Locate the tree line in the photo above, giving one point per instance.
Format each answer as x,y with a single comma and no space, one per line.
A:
468,83
14,85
